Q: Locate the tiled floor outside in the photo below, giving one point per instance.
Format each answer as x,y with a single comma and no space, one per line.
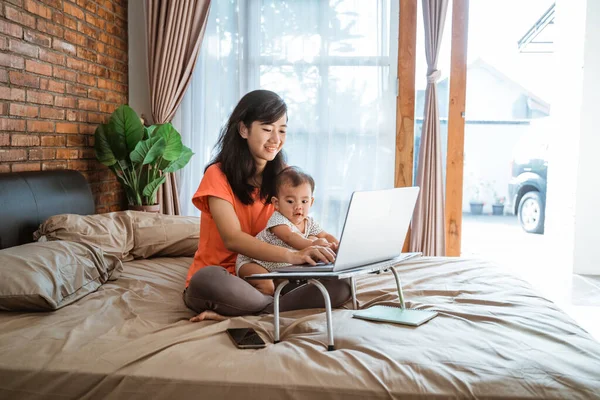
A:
500,239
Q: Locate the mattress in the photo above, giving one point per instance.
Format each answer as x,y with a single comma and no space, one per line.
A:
495,337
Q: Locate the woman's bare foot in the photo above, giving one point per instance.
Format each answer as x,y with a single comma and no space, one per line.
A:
208,315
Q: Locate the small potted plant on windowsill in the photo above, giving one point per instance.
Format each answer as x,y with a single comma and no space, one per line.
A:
498,206
476,204
139,156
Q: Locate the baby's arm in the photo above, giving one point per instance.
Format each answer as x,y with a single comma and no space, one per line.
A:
319,241
293,239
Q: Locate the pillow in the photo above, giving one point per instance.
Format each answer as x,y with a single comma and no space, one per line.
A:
46,276
127,234
159,235
112,232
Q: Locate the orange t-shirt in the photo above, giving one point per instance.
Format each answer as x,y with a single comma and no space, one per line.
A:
253,219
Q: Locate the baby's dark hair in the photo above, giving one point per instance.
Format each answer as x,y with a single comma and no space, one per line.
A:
295,177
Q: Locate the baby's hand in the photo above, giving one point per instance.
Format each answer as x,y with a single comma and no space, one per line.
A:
312,238
321,242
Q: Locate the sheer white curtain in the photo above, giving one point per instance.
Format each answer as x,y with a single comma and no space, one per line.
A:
333,62
217,85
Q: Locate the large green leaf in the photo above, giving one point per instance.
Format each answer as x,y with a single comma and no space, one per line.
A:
104,153
150,130
163,164
128,126
152,187
156,151
116,141
172,140
148,151
181,162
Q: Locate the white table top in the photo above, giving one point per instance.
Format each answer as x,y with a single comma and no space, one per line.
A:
363,270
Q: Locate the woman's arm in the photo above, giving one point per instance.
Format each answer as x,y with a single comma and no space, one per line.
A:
290,237
240,242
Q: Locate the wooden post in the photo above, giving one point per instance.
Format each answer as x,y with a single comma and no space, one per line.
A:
456,127
405,102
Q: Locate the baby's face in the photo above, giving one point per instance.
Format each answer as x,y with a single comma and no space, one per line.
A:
294,202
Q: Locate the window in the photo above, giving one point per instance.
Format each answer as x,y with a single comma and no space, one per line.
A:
333,62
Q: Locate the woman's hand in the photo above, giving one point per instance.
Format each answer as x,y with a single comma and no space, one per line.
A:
335,245
333,242
311,255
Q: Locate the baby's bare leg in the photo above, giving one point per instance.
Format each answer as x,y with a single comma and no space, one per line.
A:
265,286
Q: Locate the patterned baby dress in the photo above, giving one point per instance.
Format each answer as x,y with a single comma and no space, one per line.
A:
312,229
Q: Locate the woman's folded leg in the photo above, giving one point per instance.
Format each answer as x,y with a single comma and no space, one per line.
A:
214,289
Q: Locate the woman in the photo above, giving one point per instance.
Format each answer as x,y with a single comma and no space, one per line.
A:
234,197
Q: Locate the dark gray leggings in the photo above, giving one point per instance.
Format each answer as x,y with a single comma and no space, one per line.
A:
213,288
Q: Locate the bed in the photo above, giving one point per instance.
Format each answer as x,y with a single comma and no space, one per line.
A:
494,337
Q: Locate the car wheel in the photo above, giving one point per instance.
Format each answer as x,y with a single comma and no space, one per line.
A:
531,212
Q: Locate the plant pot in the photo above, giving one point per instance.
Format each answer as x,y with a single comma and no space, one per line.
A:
476,208
497,209
154,208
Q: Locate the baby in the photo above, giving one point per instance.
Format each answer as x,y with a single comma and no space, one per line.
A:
289,226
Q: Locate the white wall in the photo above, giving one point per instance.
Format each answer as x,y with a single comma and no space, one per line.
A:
139,91
587,195
572,220
491,98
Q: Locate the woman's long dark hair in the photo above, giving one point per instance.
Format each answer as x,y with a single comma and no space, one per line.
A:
232,149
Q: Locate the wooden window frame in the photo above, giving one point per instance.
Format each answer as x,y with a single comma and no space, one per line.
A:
405,113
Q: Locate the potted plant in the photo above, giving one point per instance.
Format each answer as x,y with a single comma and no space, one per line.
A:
139,156
498,206
476,202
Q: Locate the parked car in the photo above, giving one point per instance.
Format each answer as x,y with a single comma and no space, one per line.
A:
527,187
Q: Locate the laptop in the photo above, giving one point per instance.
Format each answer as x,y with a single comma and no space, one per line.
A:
374,230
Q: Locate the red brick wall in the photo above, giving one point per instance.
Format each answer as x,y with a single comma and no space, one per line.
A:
63,70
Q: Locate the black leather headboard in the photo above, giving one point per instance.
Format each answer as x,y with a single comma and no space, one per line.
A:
28,198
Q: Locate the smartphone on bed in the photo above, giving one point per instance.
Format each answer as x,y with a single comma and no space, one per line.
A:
246,338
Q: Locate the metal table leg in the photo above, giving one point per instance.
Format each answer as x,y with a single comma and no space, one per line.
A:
330,344
399,285
276,308
353,288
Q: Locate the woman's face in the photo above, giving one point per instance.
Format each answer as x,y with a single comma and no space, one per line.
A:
264,140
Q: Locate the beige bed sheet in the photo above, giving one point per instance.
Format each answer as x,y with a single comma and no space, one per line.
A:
494,338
